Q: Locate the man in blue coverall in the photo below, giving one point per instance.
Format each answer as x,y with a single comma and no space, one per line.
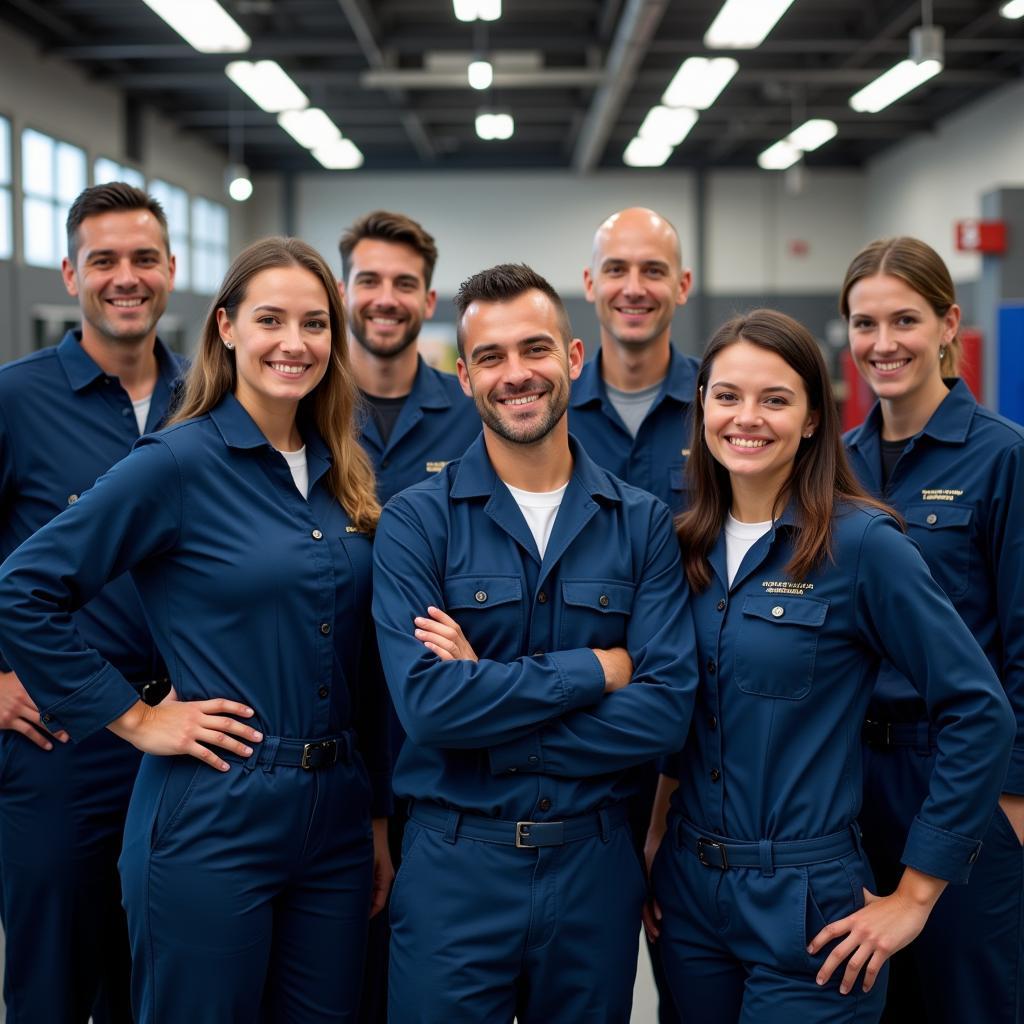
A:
416,419
536,636
630,408
66,415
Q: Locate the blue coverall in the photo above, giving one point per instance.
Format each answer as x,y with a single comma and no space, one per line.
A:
64,422
247,891
762,847
523,744
654,460
437,423
959,484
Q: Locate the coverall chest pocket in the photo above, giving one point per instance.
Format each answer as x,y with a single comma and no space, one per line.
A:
595,613
677,487
777,644
943,533
489,609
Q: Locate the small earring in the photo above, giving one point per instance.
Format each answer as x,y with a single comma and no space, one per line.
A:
809,433
229,346
942,352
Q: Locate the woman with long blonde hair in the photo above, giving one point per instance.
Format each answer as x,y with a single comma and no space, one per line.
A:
248,862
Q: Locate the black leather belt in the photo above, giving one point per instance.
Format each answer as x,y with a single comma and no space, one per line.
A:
309,755
524,834
714,851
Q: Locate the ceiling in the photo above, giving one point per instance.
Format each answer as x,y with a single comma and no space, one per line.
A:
581,75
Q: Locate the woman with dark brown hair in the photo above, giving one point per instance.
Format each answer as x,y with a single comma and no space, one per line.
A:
802,585
248,857
955,471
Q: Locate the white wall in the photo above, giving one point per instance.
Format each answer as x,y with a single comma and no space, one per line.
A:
926,183
546,219
754,222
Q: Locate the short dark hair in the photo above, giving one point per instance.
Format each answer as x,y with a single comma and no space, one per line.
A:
387,226
113,197
503,283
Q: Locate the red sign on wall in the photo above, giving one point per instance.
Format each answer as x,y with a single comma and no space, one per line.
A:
981,236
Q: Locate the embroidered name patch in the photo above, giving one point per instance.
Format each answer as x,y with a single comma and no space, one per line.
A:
436,465
786,587
940,493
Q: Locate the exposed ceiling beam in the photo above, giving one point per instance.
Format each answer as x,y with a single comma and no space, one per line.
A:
361,22
544,78
639,22
262,49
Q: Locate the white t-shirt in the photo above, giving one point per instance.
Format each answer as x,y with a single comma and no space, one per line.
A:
539,509
141,408
300,473
739,539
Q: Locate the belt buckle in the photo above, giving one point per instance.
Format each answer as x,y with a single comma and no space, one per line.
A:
523,834
319,754
704,844
880,734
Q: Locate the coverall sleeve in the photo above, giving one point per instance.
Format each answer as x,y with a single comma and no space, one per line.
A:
7,491
459,704
1006,552
905,617
371,723
132,512
650,716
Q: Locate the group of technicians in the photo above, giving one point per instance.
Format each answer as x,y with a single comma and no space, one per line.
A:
775,728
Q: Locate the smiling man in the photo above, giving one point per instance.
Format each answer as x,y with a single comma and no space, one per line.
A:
535,633
417,417
67,414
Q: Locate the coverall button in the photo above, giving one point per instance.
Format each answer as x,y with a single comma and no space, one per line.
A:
778,611
712,722
545,804
542,598
323,691
317,535
603,600
72,498
538,654
533,759
480,596
511,771
932,519
715,774
721,604
711,666
47,718
325,628
126,412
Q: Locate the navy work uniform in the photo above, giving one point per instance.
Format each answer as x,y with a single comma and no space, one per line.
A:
762,845
436,424
654,460
249,888
520,891
64,422
960,486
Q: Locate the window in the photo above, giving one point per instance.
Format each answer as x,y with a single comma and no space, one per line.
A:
105,170
174,200
209,244
6,224
53,174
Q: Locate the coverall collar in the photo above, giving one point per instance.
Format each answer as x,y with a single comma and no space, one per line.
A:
680,384
82,370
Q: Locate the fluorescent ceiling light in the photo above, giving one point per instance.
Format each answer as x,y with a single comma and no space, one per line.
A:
203,24
1013,10
267,85
470,10
743,24
778,157
812,134
310,128
646,153
340,155
698,82
892,84
667,125
480,74
495,126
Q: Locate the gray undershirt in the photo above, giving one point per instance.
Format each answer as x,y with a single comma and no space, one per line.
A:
633,406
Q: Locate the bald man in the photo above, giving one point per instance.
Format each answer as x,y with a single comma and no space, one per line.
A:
630,407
